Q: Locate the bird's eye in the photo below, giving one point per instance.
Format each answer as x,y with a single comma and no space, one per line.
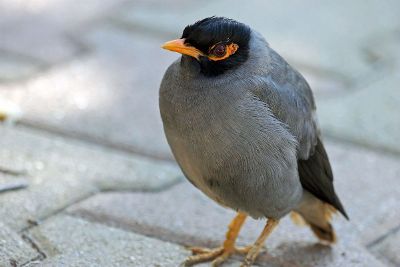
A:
219,50
222,51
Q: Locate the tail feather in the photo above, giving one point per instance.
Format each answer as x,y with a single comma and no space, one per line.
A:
326,233
298,219
317,215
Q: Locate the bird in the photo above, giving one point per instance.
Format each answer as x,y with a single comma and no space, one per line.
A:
242,126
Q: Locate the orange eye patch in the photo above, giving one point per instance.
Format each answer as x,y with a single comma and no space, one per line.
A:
221,51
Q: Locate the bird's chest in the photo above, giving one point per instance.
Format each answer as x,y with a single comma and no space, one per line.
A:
192,112
195,126
209,133
199,129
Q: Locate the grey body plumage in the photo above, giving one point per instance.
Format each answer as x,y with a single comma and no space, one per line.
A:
239,136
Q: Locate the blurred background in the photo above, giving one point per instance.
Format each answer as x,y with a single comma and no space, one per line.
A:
93,69
89,72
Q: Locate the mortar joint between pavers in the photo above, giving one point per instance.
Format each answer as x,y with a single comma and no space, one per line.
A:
151,190
36,223
36,247
101,143
27,58
39,65
383,237
7,171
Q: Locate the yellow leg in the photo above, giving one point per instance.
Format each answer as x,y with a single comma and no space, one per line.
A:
255,250
233,231
221,254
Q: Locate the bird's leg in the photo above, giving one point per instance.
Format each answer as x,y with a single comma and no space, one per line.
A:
255,249
220,254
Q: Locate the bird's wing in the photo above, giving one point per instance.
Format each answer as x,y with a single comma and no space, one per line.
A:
290,99
316,177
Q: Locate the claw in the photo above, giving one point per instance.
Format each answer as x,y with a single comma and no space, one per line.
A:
209,254
221,259
242,250
217,255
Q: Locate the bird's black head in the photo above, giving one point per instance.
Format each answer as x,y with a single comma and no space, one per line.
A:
219,44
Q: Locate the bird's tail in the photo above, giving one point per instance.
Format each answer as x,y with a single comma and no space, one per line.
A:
317,215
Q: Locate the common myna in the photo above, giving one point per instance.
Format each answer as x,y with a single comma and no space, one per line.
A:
241,123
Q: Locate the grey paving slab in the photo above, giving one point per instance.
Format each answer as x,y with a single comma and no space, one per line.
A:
386,46
43,30
324,36
110,96
187,218
34,37
388,249
13,68
50,48
90,244
14,251
184,215
61,171
370,116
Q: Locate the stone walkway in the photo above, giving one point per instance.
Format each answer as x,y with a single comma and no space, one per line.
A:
93,181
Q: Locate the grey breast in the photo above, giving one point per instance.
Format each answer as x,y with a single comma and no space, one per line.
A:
226,140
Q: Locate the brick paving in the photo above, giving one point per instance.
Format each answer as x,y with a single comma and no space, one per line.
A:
86,176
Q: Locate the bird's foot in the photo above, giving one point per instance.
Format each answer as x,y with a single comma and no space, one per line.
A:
201,250
216,255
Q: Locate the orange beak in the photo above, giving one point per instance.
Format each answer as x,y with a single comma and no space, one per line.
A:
179,46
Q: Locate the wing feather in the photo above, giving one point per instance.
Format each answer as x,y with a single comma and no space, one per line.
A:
290,99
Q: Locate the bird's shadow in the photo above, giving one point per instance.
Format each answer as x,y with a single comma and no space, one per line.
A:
293,254
297,254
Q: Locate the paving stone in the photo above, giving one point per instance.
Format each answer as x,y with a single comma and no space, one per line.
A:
69,241
43,29
111,96
386,46
369,116
49,49
21,34
54,10
325,36
10,182
14,251
388,249
62,171
189,218
14,68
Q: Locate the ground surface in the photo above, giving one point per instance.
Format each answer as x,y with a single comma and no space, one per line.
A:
95,182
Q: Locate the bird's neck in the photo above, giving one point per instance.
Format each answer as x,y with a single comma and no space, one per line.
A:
190,66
